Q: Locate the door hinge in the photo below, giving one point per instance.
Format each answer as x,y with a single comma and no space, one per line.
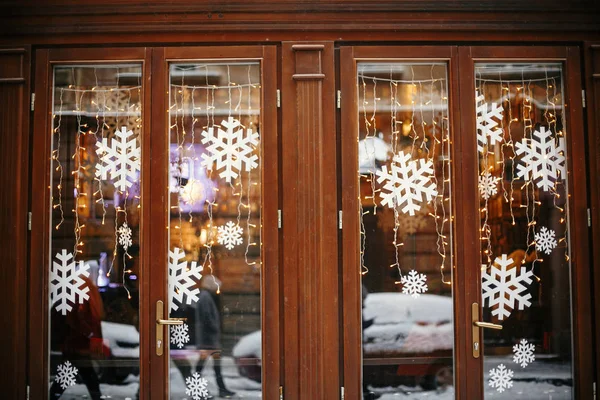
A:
27,392
280,392
583,97
278,98
594,390
342,393
589,213
32,101
29,221
279,222
340,213
339,99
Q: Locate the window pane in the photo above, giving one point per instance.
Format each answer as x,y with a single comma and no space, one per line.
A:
524,236
94,248
215,228
406,246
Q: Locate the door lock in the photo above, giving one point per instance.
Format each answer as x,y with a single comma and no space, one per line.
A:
478,324
160,323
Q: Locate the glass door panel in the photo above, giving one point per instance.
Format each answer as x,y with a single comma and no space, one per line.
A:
525,268
214,277
405,217
94,230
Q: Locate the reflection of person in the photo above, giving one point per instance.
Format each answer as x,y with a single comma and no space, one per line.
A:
204,321
78,335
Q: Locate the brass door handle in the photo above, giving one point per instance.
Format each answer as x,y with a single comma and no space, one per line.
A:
487,325
476,325
170,321
160,329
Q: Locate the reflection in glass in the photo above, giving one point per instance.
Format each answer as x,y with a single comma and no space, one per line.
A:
404,176
215,221
94,248
524,219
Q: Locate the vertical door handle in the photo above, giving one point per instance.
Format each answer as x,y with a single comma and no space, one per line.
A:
160,326
477,324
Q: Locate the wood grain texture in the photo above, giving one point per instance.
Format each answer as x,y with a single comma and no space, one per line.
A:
14,163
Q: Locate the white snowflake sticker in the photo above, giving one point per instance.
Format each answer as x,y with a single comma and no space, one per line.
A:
230,235
408,182
66,374
230,148
66,282
121,159
124,236
487,122
196,386
182,279
501,378
542,159
414,284
545,240
488,185
523,353
179,335
502,287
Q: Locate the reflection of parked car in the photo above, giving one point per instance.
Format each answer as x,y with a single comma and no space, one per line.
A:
408,342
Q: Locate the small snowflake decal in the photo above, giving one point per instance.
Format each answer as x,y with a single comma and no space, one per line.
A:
124,235
545,240
67,286
230,235
414,284
179,335
488,185
230,148
543,160
501,378
502,287
182,280
408,182
66,375
196,386
487,122
523,353
121,159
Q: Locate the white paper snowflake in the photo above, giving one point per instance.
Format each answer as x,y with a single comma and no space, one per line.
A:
179,335
196,386
523,353
414,284
66,282
182,279
230,235
501,287
501,378
543,161
545,240
487,122
121,159
488,185
124,235
230,148
66,374
408,182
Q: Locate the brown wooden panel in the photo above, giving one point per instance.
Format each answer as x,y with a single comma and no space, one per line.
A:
310,269
14,147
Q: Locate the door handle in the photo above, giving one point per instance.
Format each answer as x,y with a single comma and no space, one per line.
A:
476,325
160,323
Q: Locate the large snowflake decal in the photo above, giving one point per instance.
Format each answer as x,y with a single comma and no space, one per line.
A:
182,279
414,284
179,335
501,378
488,185
543,160
196,386
67,286
230,148
545,240
66,374
501,287
487,122
124,236
121,159
408,182
230,235
523,353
